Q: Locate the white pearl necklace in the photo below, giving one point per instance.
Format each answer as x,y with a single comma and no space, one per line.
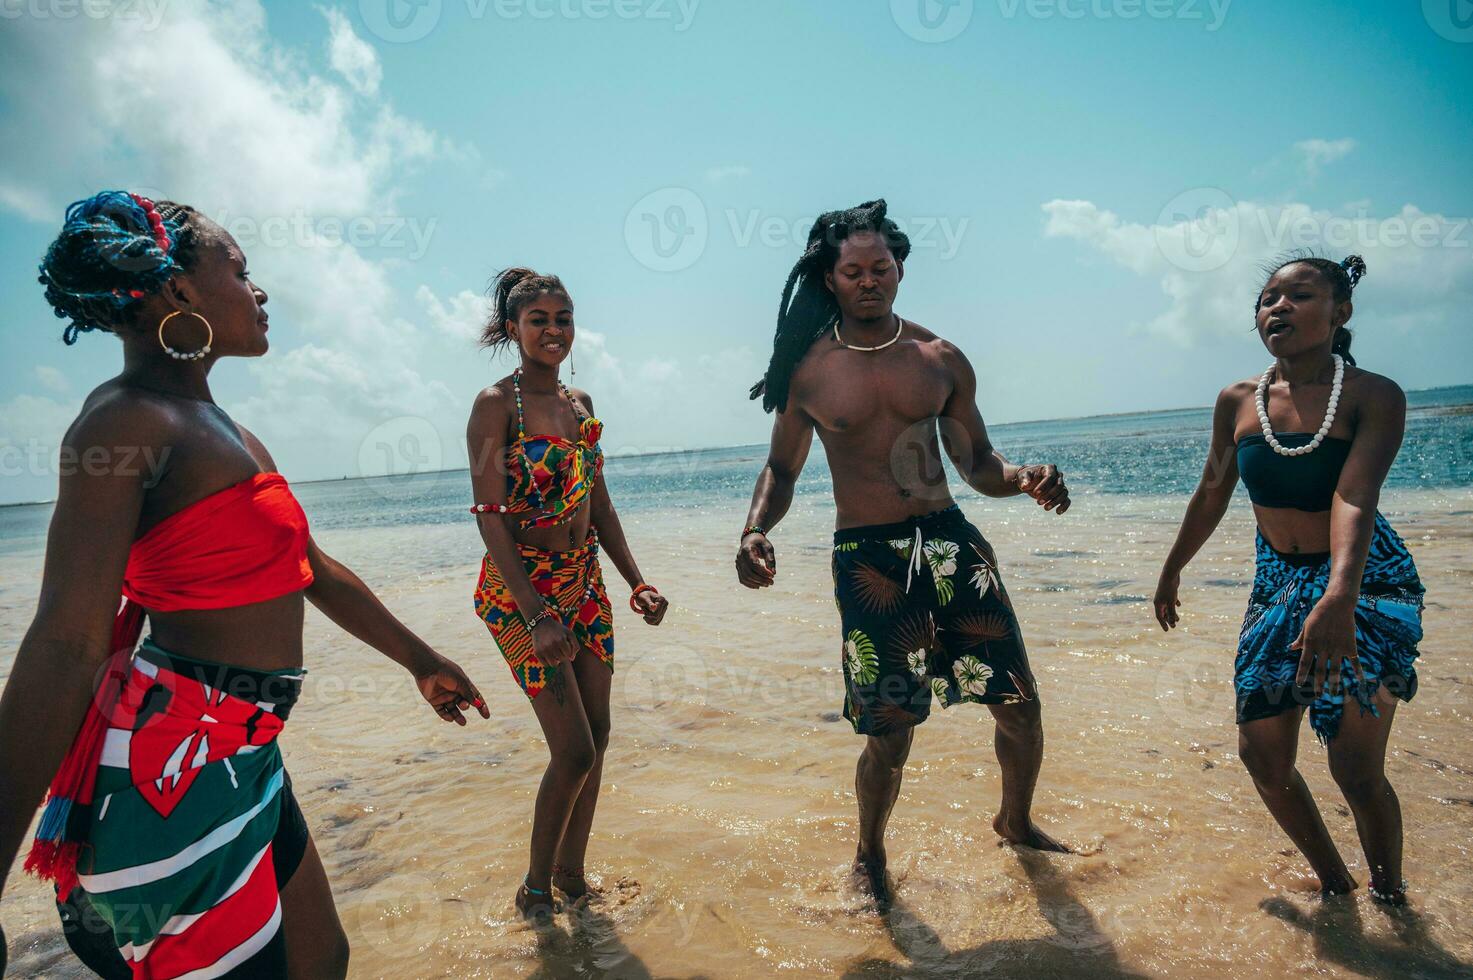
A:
1319,437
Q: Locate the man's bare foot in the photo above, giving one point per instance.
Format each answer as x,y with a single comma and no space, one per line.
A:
536,906
871,878
1330,887
1026,834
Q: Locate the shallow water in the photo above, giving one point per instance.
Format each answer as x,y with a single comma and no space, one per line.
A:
727,820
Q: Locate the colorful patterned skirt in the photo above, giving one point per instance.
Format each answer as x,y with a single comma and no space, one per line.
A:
1388,626
572,584
179,869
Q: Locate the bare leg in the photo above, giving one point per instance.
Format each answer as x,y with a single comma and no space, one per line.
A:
559,709
1358,763
594,680
1019,746
877,785
1268,748
316,946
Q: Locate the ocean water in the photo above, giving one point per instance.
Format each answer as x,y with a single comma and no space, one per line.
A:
727,820
1143,453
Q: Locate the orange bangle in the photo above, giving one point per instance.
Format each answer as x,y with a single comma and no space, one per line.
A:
639,590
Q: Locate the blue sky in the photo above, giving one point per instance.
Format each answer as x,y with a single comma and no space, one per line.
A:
1092,185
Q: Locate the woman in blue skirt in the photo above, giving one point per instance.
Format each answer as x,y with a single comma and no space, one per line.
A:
1336,611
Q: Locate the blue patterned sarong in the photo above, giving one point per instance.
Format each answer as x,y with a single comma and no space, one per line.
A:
1388,626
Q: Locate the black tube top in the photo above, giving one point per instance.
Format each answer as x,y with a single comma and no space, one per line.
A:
1298,482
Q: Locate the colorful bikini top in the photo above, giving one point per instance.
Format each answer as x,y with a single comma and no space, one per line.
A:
244,544
549,477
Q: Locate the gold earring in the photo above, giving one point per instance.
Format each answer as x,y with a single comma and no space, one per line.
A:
193,355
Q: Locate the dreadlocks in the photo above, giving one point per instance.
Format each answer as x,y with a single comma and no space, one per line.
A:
114,249
808,308
1342,277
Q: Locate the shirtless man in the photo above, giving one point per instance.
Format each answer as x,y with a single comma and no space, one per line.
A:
922,606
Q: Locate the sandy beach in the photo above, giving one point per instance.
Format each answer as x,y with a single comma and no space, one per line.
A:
727,820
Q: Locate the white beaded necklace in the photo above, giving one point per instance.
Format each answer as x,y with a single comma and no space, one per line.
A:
1319,437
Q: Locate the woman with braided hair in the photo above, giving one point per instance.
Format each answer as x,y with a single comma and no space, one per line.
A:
924,614
170,830
1335,613
544,512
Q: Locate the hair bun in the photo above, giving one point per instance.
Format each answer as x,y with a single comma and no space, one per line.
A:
1355,268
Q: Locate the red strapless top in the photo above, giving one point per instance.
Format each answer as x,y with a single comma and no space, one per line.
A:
246,543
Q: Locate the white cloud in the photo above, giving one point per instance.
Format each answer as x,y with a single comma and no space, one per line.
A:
732,171
350,55
462,317
51,379
1210,264
643,399
1314,154
245,129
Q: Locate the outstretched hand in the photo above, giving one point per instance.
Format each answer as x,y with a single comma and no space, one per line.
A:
444,685
756,562
1045,484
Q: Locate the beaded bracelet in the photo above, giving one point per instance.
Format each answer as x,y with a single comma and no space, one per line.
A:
754,529
490,508
546,613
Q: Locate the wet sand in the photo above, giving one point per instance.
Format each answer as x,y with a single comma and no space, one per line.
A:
727,822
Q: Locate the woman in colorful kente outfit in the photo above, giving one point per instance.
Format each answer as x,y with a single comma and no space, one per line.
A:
1336,608
543,513
170,830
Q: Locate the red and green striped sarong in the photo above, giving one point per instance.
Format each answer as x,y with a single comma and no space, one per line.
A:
177,842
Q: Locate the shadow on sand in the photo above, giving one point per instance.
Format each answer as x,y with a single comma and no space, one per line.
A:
1078,948
1339,937
590,947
